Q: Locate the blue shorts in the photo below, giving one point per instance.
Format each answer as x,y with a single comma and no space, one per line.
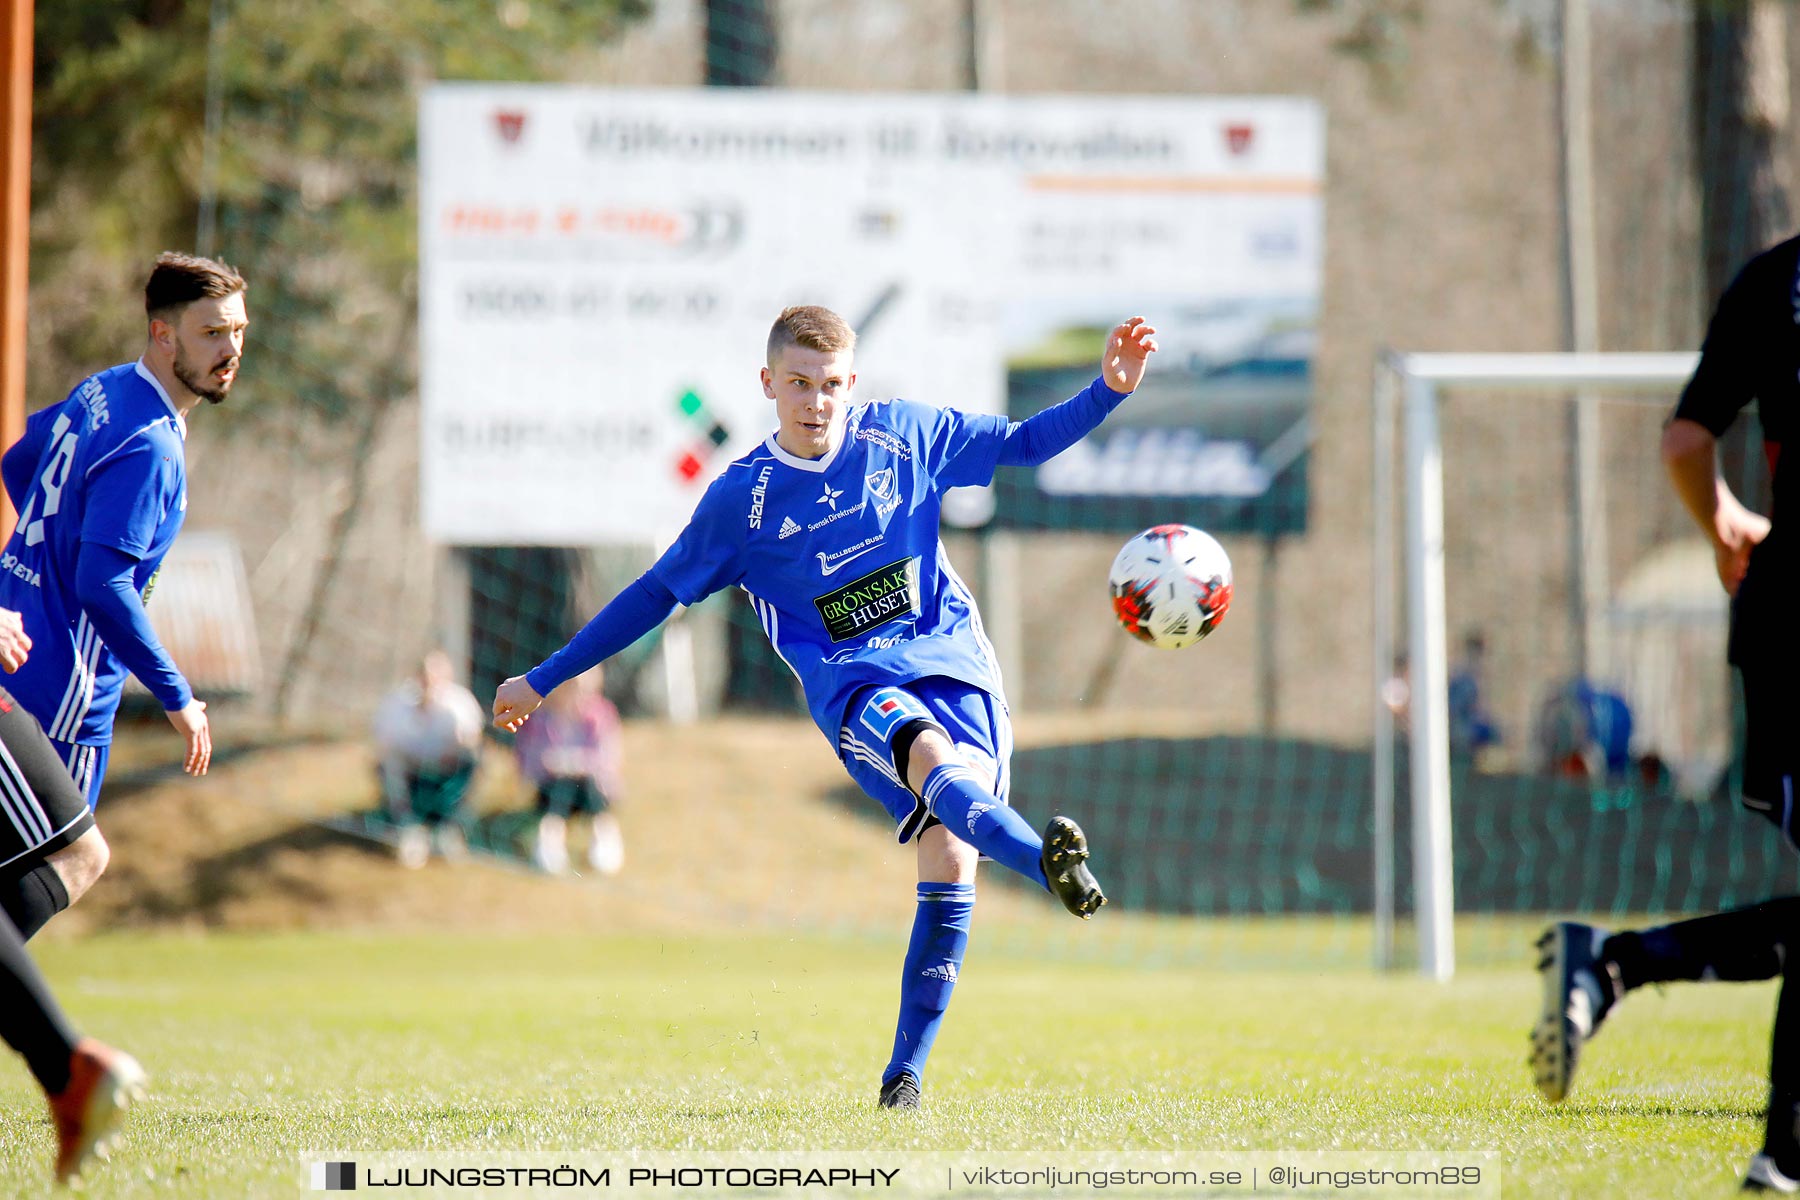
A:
976,721
87,766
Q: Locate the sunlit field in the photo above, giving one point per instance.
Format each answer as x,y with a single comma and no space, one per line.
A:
263,1047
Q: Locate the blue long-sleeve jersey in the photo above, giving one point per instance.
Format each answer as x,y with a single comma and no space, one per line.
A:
840,555
100,482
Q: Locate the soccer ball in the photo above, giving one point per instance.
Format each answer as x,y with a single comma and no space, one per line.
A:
1170,585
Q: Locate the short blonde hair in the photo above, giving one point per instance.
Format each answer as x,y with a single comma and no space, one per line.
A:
812,326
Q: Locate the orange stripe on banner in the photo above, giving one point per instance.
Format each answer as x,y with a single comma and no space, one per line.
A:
1261,184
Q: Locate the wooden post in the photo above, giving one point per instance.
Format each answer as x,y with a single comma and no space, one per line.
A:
15,221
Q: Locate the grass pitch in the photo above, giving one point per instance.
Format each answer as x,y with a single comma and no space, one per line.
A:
264,1046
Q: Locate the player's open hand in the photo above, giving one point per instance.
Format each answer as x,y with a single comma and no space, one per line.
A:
191,723
514,703
1736,531
1128,351
15,643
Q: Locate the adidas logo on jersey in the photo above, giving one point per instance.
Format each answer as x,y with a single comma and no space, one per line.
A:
943,971
789,527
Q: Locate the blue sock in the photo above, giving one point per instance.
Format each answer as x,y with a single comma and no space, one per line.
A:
958,798
940,934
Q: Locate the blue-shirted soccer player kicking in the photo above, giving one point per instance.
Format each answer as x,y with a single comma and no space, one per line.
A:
100,485
831,527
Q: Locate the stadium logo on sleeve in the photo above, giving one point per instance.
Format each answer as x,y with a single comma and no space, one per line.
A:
887,708
759,492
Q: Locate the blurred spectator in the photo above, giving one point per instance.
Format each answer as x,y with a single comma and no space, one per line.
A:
570,752
1584,732
1472,727
428,736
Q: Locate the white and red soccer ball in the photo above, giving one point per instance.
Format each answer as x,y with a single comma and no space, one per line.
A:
1171,584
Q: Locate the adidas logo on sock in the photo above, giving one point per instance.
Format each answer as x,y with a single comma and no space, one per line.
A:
944,971
789,527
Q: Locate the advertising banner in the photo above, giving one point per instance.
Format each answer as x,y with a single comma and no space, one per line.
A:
600,267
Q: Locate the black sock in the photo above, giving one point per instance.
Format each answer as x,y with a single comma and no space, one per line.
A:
1781,1140
30,1020
1737,946
31,899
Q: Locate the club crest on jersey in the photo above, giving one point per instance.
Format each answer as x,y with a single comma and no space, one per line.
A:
884,711
882,486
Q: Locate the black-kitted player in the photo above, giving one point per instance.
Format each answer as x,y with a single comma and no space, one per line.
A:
1752,352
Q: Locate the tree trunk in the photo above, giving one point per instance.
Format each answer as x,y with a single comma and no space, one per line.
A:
740,43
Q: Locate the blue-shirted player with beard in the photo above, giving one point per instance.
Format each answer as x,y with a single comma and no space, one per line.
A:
100,485
831,527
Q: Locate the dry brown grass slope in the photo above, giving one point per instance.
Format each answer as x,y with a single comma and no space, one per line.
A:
727,825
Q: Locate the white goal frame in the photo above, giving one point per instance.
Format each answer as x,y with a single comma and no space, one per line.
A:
1413,384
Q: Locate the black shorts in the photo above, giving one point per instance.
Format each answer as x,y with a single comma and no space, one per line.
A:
1771,742
41,808
1765,649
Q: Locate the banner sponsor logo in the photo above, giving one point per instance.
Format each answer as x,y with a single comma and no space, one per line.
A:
510,124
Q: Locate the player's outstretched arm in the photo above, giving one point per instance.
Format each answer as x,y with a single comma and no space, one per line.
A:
629,616
514,702
1127,355
1044,435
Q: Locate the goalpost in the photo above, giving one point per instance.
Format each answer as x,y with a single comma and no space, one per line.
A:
1408,392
